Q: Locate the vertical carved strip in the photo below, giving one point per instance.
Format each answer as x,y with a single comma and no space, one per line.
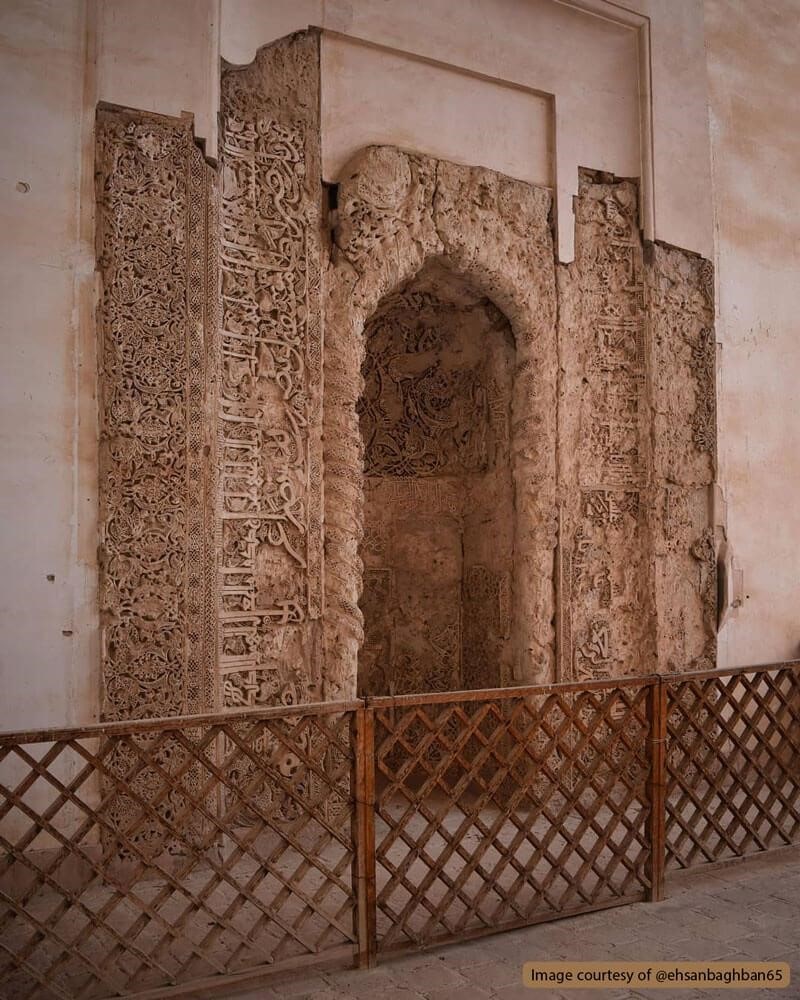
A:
605,549
202,363
270,391
680,295
211,498
152,190
315,540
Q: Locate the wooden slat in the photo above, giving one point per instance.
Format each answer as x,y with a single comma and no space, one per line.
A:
502,694
497,811
255,812
364,834
657,713
172,723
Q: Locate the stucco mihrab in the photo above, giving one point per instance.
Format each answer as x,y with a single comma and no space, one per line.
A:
603,371
397,213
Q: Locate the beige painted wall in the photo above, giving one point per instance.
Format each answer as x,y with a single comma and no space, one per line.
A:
372,95
754,79
49,652
162,57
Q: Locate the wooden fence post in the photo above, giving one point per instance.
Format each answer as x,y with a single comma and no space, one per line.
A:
364,835
657,714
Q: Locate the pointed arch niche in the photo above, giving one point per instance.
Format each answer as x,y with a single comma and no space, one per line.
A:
440,291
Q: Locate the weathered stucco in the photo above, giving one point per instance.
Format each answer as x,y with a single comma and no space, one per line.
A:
438,542
637,444
397,212
680,292
157,370
49,601
535,442
268,418
606,596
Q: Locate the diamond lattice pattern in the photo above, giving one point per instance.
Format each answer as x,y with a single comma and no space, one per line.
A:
733,765
169,853
499,812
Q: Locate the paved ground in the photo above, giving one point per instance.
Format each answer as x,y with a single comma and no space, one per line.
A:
748,911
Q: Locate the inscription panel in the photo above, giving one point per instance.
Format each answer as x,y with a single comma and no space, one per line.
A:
680,294
606,588
270,384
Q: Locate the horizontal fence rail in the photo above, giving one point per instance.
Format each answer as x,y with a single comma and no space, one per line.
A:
145,858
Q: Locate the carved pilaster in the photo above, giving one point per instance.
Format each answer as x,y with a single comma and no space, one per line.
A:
155,197
681,306
606,576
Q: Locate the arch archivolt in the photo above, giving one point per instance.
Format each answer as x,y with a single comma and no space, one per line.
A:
398,212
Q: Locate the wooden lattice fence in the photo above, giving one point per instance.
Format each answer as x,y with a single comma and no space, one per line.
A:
733,763
151,858
503,808
147,855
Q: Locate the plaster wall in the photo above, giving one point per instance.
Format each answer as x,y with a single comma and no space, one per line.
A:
372,95
161,57
58,58
754,76
48,498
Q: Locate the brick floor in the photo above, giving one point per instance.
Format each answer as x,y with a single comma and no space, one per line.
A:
749,910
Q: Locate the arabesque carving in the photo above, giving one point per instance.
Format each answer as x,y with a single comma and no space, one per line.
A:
435,410
594,557
157,361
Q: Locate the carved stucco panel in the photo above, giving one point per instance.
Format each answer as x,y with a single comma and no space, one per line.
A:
271,379
637,566
157,364
216,589
681,308
606,610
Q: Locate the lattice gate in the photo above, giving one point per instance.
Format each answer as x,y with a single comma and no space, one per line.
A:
504,808
145,855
